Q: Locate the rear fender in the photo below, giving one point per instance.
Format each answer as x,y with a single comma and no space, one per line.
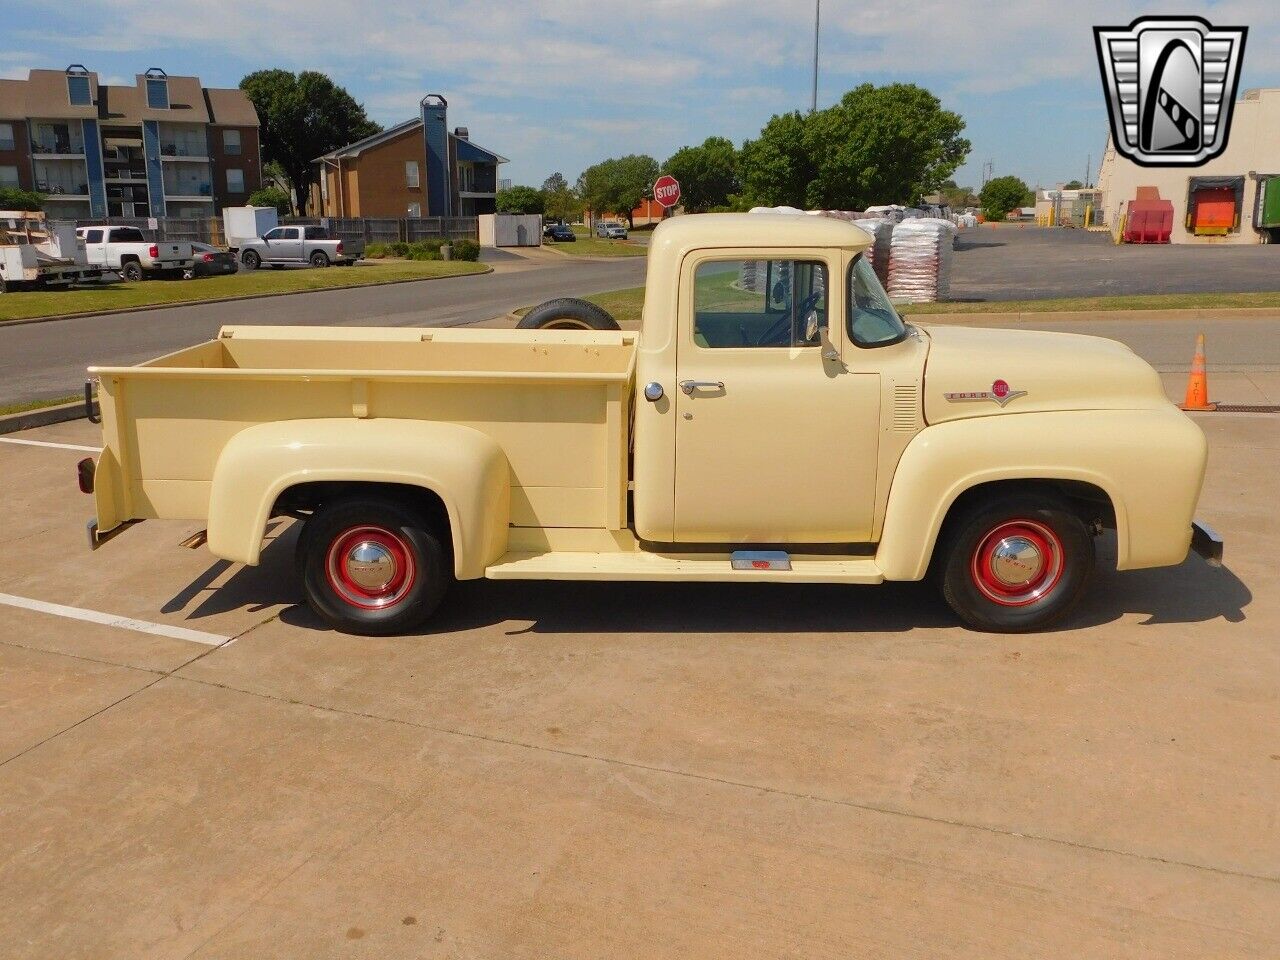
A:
465,468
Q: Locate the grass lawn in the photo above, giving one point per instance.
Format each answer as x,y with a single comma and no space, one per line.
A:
124,296
26,405
588,245
625,305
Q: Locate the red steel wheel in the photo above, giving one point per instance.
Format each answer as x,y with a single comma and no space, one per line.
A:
1018,562
370,567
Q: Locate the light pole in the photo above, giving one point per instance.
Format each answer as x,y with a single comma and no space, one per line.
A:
817,21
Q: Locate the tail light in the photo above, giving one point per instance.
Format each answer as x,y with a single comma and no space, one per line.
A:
207,258
339,246
153,251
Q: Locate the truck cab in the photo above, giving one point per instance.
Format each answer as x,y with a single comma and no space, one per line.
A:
775,420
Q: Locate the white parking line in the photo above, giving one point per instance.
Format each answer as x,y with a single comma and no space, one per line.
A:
111,620
46,443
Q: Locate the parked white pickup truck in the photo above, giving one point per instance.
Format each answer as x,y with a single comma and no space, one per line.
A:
774,420
128,252
299,245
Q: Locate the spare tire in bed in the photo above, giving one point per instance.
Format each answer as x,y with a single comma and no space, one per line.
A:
567,313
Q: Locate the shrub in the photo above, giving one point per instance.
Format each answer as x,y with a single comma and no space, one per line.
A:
399,249
377,251
425,249
271,197
466,250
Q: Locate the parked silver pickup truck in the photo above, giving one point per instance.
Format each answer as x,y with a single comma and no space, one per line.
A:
127,251
312,245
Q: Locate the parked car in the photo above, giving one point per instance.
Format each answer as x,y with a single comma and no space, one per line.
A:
128,252
611,231
560,233
774,420
300,245
211,261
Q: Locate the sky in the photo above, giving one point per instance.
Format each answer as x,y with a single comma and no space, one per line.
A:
557,85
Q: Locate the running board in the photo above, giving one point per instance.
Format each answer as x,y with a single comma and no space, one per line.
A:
640,565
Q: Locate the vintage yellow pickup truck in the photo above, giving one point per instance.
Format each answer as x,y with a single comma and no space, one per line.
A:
774,420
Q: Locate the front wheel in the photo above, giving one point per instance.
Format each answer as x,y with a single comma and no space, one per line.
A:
1016,564
251,260
371,566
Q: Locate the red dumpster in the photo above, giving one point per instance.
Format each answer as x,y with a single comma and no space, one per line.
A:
1150,221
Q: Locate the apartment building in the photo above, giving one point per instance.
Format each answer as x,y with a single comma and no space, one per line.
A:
164,147
415,169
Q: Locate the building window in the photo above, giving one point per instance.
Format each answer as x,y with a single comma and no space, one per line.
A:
231,142
235,180
411,173
8,176
78,90
6,136
157,93
415,209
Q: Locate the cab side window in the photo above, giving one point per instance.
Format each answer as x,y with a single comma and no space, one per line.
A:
759,303
93,236
276,234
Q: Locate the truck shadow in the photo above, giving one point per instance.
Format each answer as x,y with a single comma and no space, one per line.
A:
1190,593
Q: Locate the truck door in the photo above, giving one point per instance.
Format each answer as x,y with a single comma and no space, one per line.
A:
284,243
94,248
776,438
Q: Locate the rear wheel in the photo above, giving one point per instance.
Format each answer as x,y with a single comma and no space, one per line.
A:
131,271
1016,564
319,259
567,313
371,566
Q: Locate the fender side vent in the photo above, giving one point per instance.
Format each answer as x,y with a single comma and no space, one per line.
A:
906,407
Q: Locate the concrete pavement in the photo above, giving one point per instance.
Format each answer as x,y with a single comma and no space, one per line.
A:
588,770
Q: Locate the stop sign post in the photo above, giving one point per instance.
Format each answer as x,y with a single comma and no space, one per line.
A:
666,190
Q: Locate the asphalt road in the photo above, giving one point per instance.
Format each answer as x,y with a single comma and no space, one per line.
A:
42,360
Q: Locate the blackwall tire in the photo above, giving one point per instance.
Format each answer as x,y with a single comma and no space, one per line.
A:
250,260
567,313
371,566
131,272
1016,564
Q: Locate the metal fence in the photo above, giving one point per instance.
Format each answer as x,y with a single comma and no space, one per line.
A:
368,229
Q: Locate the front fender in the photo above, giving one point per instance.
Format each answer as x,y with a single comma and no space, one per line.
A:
461,465
1150,463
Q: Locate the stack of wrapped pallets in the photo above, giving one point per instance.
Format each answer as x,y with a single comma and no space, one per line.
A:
920,260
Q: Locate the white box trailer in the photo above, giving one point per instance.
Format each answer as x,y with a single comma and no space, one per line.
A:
37,253
510,229
241,224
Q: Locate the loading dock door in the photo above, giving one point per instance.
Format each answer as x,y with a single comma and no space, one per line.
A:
1213,205
1268,203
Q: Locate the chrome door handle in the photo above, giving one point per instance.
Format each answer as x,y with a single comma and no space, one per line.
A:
688,386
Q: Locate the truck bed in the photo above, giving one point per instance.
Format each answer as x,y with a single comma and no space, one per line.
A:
558,404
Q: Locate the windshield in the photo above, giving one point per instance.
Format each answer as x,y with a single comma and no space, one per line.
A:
872,320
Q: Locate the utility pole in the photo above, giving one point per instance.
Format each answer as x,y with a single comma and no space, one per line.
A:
988,171
1088,164
817,21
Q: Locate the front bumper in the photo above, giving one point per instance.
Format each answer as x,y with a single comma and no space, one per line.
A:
1206,542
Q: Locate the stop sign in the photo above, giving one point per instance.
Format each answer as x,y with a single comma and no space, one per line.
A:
666,190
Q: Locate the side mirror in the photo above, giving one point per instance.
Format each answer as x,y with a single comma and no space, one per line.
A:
812,326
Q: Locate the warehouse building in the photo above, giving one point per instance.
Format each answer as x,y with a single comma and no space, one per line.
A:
1233,198
164,146
415,169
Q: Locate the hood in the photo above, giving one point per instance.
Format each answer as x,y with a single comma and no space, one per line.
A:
977,372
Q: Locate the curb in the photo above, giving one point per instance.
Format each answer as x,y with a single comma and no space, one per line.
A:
1155,313
20,321
42,417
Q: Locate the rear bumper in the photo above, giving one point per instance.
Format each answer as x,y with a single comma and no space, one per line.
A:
1206,542
97,537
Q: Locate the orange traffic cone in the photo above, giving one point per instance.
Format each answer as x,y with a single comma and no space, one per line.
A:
1198,383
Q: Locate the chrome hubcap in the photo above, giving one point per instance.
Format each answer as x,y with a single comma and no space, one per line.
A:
370,566
1016,561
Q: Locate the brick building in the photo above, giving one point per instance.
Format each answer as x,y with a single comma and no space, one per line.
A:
415,169
164,147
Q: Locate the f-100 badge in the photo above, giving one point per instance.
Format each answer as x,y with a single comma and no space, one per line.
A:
1170,84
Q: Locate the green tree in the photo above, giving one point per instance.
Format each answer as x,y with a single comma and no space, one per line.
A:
957,198
1072,185
520,200
618,185
302,116
1001,195
15,198
559,200
888,144
271,197
708,174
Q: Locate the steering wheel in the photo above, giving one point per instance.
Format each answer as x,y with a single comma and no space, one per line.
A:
772,336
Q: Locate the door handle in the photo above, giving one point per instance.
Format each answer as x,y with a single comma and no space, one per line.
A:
688,386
